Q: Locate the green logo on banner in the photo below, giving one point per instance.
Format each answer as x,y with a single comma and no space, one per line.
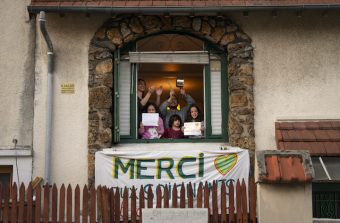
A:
225,163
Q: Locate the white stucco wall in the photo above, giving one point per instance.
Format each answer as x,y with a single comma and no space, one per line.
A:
297,68
70,36
17,38
283,203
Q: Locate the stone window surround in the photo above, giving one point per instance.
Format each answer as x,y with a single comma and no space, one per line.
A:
118,31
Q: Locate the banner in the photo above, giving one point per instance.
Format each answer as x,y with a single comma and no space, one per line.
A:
152,168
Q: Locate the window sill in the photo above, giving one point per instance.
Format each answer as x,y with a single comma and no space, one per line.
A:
168,146
22,151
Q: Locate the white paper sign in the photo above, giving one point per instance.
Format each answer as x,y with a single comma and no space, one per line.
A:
150,119
192,128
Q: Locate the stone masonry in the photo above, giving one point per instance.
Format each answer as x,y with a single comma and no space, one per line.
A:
117,32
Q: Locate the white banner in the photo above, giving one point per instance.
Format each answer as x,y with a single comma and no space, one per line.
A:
152,168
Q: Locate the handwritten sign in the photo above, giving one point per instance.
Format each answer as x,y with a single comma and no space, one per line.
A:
192,129
150,119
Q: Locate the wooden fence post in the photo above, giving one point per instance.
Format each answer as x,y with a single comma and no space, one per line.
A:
182,197
69,204
150,197
214,202
141,202
77,204
174,196
199,195
117,206
252,200
231,203
21,203
30,203
54,203
125,205
223,203
133,205
46,203
93,199
244,202
239,201
14,207
62,204
158,197
206,199
85,204
166,197
37,203
190,196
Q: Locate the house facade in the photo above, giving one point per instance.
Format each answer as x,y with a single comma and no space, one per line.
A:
273,60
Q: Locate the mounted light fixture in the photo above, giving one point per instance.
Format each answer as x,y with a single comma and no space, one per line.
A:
179,82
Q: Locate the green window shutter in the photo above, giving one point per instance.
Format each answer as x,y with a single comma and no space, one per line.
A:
116,100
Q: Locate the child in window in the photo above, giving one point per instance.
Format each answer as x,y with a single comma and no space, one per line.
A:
175,131
151,132
194,115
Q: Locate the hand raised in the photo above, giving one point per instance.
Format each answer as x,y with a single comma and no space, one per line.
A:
151,89
159,91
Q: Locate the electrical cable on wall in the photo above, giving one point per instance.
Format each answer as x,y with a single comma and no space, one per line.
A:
15,141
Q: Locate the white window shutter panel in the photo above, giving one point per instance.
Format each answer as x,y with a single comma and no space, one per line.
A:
124,94
216,101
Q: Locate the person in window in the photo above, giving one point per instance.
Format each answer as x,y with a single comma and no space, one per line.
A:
172,103
151,132
175,131
194,115
144,98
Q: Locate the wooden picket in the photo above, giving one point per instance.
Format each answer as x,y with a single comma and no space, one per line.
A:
237,202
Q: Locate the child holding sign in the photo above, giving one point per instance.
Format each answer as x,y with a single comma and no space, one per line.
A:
150,128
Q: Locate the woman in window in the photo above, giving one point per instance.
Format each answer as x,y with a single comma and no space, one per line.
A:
144,98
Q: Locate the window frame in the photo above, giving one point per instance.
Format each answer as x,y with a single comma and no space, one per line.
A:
133,137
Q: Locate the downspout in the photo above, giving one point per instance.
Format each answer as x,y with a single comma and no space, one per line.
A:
42,22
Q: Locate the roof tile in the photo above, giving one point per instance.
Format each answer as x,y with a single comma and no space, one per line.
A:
334,135
273,169
331,148
307,135
284,166
319,137
322,135
312,125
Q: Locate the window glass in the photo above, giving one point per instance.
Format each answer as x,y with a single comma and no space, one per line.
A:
318,169
333,166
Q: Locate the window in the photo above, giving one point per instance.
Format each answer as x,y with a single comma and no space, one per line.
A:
326,187
161,60
6,175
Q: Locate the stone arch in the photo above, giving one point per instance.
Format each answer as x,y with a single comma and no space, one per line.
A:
223,32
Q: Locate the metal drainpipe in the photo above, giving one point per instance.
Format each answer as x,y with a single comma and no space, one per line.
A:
42,22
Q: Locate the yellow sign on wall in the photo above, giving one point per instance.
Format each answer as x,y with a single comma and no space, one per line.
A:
67,88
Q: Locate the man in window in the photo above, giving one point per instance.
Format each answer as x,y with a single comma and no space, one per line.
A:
172,103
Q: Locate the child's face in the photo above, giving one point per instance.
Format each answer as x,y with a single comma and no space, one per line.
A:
151,109
177,123
194,112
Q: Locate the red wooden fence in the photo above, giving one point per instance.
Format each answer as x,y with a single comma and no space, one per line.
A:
50,204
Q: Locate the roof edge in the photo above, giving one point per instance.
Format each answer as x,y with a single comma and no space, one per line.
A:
173,9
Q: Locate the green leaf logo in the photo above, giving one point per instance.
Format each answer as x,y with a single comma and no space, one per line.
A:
225,163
